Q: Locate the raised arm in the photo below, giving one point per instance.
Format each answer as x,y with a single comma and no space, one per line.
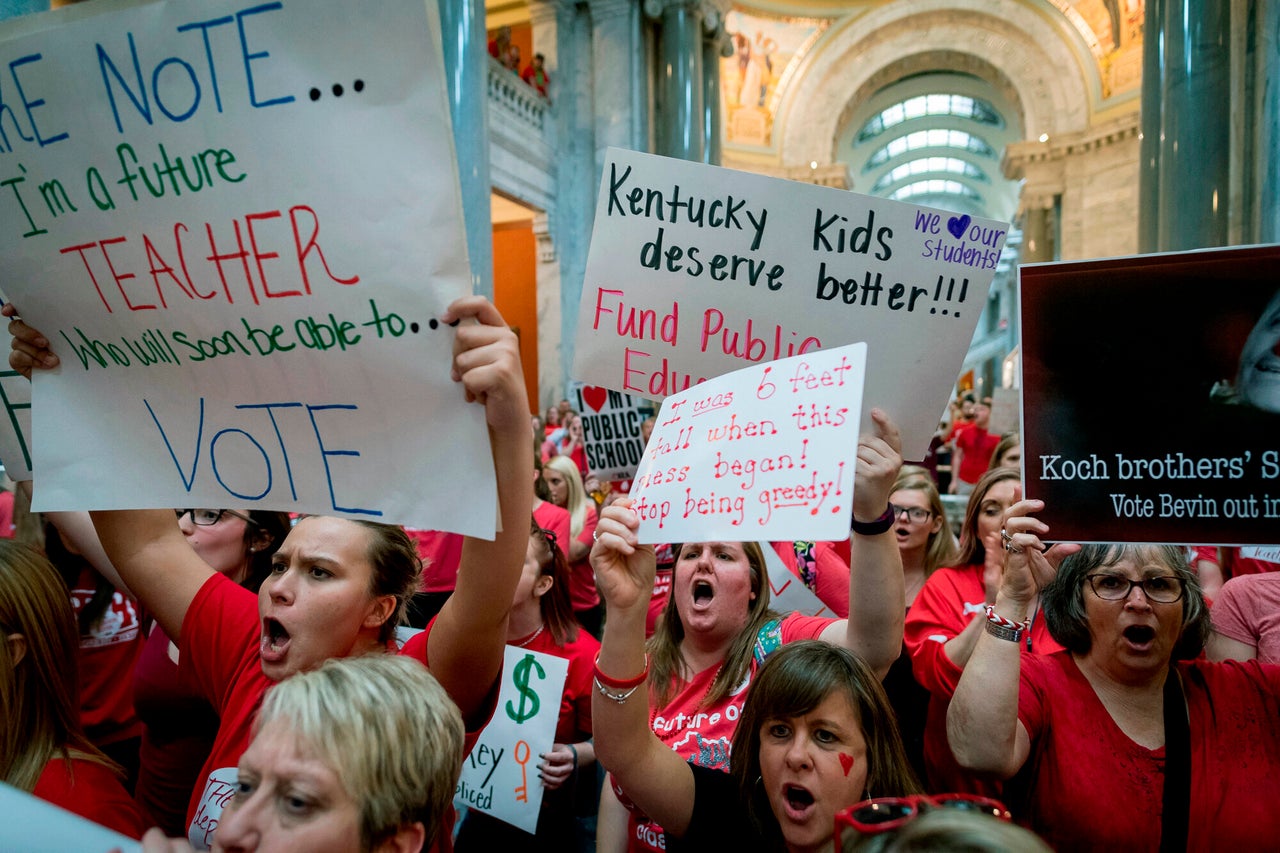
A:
877,601
656,779
982,720
467,642
150,555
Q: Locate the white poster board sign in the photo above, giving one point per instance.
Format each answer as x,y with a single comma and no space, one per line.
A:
610,429
787,593
15,425
31,825
766,452
238,225
696,270
500,776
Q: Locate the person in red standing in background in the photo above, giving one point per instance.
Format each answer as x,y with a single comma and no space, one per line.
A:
974,447
565,486
535,74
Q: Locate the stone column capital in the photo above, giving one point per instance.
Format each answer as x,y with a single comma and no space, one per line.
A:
654,9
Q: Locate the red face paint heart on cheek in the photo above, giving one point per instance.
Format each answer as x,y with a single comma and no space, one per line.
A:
846,761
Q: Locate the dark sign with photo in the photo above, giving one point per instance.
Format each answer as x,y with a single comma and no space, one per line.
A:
1151,399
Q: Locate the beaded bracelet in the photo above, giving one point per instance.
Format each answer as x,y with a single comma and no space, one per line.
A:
619,683
620,698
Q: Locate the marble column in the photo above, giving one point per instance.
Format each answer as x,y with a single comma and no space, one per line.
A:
466,62
1266,138
1149,148
617,75
1037,238
14,8
680,88
711,53
1195,125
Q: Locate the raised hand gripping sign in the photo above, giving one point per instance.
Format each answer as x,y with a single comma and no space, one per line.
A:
695,271
766,452
237,223
500,776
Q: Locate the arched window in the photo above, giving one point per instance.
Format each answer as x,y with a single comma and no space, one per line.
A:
928,165
957,106
934,138
934,187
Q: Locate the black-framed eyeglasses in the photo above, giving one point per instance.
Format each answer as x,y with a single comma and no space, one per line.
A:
914,513
210,517
1164,589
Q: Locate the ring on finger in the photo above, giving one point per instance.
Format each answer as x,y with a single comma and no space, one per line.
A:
595,536
1008,542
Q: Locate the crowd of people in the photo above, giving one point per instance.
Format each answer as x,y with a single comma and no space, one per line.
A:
233,678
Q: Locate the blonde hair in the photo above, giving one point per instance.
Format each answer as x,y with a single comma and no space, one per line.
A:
39,697
387,729
577,502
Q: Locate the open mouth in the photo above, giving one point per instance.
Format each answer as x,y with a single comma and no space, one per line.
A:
1140,636
703,592
799,800
275,640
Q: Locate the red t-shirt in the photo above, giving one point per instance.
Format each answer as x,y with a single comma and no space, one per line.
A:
441,554
6,514
976,446
702,735
582,579
220,642
92,791
109,651
1092,788
551,517
1236,563
948,602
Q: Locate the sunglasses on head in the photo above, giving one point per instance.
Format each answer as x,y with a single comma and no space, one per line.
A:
885,814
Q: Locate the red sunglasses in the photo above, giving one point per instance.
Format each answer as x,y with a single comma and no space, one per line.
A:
885,814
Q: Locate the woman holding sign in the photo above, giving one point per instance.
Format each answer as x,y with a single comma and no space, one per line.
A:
338,587
814,736
1127,739
542,621
718,628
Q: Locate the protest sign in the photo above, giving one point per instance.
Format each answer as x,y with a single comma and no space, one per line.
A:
695,271
610,428
500,775
238,223
15,425
766,452
787,593
1151,397
31,825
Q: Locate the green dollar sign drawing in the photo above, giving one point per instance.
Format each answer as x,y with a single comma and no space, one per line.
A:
527,696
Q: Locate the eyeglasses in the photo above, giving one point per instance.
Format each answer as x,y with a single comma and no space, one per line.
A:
547,535
210,517
1164,589
885,814
914,513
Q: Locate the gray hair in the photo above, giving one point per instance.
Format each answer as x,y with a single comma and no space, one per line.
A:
1063,599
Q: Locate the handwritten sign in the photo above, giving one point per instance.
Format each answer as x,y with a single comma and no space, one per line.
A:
1151,398
766,452
695,271
610,429
15,425
238,223
500,776
32,825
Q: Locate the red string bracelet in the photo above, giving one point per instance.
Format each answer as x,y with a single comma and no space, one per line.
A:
618,683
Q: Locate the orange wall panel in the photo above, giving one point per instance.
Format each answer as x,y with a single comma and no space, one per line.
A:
515,292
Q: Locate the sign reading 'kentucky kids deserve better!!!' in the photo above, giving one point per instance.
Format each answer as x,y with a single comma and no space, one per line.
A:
695,271
238,224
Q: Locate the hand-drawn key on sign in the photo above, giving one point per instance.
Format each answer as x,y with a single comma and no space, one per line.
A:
522,791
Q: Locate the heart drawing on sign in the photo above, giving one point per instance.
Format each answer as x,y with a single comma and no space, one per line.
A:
957,225
595,397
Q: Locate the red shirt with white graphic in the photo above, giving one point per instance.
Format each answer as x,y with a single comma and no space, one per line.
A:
109,650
